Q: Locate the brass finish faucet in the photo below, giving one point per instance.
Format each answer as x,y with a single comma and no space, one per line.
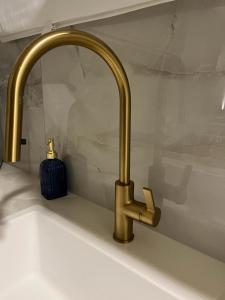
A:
127,209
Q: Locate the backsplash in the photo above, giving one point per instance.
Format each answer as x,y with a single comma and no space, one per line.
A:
174,55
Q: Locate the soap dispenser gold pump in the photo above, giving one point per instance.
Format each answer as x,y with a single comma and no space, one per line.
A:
53,174
52,154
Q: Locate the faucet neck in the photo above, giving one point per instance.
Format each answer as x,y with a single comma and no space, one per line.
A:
22,69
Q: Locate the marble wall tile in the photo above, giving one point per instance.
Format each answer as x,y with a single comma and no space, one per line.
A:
174,55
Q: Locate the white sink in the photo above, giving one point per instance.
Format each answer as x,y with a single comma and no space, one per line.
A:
63,249
43,257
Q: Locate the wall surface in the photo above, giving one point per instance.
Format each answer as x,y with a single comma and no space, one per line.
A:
174,55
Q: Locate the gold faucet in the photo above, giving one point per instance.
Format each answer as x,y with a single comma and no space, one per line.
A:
127,209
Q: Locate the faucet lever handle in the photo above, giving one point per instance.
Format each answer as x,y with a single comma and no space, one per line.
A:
149,199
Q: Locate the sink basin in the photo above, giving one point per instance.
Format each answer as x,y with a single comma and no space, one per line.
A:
42,257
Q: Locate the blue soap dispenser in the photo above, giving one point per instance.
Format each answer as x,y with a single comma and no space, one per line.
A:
53,174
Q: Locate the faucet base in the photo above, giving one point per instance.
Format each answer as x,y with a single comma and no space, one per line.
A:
123,241
127,210
124,194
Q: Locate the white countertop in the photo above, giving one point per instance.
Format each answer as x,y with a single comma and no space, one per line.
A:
174,267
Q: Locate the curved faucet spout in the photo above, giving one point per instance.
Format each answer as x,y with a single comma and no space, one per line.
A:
22,69
126,209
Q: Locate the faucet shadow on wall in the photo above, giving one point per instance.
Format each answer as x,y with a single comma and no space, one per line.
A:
157,171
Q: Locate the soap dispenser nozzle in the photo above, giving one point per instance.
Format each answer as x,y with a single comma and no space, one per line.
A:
52,154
